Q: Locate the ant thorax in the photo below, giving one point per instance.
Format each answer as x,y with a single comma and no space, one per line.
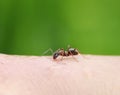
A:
60,51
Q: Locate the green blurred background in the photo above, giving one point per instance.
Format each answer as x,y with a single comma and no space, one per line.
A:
30,27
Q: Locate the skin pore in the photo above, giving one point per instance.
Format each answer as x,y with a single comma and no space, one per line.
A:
41,75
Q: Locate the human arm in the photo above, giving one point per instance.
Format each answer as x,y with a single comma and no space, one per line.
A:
34,75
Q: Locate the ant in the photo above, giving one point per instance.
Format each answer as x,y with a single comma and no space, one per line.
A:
69,52
61,52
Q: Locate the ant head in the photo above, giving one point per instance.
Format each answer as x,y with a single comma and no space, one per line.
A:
55,55
58,52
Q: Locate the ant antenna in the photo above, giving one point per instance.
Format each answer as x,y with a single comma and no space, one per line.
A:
48,51
69,46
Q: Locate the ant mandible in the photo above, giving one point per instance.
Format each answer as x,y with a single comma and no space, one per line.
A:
69,52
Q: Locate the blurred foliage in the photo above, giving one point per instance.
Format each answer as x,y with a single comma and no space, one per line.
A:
31,27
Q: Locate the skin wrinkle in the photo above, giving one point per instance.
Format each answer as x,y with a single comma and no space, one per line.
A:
33,75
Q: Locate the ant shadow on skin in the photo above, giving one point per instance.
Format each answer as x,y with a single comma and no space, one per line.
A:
1,63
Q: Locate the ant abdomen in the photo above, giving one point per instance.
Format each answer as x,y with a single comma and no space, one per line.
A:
73,51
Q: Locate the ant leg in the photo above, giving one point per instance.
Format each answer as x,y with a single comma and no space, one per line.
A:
80,54
62,55
73,57
48,51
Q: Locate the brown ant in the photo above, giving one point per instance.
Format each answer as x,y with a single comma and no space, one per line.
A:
69,52
61,52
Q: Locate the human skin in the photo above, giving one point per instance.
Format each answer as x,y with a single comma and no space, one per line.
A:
41,75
